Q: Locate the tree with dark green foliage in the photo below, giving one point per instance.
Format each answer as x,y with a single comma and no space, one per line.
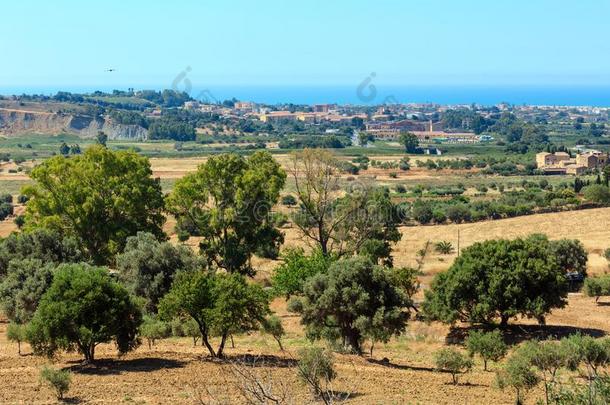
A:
148,267
499,279
228,201
25,283
82,308
352,301
571,255
422,212
39,244
101,138
221,304
370,225
64,149
409,141
100,197
489,346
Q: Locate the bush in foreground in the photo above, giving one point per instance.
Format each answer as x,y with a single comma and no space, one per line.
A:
316,369
58,380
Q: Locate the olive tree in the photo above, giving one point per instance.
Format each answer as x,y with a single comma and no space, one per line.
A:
517,374
352,301
23,287
147,267
453,362
489,345
82,308
100,197
228,202
40,244
221,304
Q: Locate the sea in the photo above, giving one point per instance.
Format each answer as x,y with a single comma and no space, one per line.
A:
368,93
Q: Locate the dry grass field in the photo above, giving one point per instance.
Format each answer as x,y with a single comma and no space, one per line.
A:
174,371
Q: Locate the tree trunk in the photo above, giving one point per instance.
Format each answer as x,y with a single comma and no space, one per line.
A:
484,365
19,347
504,320
279,342
221,348
352,342
207,344
232,342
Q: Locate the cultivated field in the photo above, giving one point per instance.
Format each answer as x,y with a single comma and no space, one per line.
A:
175,371
402,371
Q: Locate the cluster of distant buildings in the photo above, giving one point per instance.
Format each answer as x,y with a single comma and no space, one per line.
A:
564,163
319,113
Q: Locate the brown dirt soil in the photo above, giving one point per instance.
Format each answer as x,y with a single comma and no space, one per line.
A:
174,371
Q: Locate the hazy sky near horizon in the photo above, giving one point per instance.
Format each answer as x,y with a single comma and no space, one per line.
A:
241,42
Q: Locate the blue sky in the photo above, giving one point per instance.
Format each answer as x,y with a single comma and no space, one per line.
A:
63,42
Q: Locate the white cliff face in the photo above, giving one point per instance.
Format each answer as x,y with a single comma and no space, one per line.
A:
16,122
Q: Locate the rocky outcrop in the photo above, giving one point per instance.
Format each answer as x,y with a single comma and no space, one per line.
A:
15,122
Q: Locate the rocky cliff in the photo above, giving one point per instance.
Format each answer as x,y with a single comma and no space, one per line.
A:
14,122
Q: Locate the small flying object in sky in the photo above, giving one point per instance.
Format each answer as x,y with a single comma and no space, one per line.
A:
110,70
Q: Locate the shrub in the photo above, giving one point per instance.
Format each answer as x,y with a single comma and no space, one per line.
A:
58,380
444,247
185,327
272,325
289,200
316,369
16,333
82,308
597,287
354,300
452,361
44,245
458,213
490,346
153,329
422,212
597,193
6,210
6,198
